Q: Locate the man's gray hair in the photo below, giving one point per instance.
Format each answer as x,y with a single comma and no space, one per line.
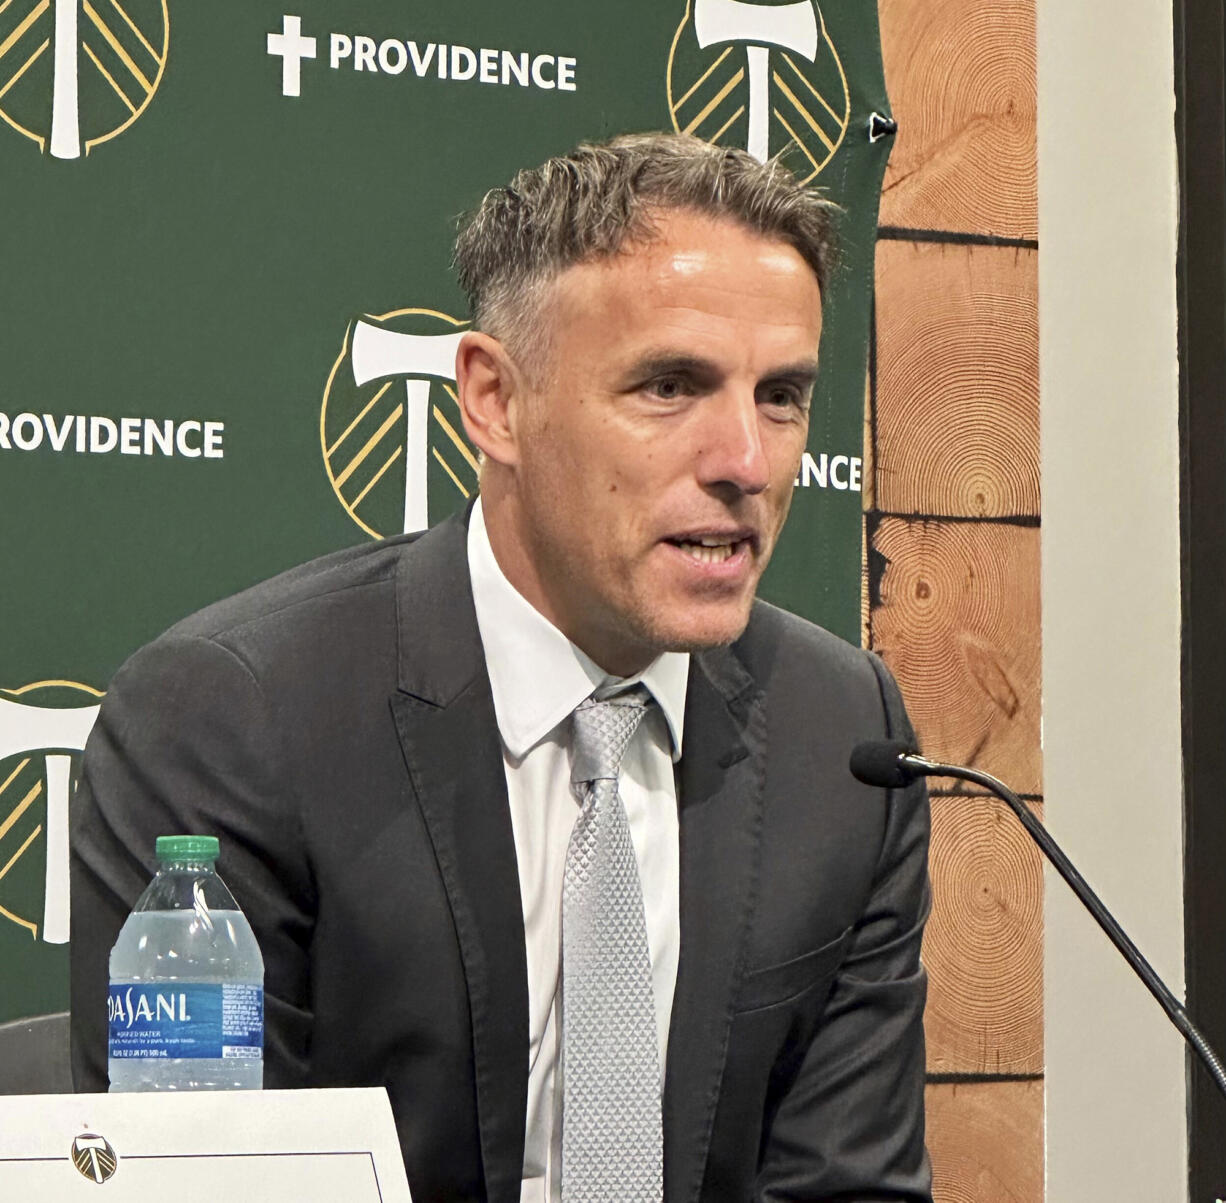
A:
600,198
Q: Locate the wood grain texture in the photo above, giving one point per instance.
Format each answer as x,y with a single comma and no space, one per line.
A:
956,617
957,380
866,630
961,80
983,946
868,495
986,1142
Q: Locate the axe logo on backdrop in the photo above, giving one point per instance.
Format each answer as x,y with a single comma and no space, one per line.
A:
77,73
764,77
43,728
390,432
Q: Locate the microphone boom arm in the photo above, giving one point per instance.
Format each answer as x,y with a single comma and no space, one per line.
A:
920,766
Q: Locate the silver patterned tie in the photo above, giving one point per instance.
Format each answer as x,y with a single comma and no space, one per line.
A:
612,1143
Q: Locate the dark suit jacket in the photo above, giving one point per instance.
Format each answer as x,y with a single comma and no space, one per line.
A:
334,727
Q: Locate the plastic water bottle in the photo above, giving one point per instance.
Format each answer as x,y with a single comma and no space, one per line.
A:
186,1001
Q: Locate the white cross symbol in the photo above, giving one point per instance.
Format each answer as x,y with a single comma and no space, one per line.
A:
293,48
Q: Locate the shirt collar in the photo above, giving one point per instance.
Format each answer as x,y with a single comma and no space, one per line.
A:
537,675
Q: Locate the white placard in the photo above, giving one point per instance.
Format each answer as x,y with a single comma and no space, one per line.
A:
304,1146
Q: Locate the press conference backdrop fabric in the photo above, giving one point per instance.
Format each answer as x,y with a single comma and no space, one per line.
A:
228,319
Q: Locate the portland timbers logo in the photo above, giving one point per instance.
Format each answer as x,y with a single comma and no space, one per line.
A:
94,1158
393,445
77,73
764,77
43,728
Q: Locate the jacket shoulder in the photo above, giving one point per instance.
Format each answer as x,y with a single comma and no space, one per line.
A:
793,658
317,580
776,638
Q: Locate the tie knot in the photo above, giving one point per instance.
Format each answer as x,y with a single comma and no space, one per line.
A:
602,733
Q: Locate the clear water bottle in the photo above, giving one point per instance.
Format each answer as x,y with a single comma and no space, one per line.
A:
186,1000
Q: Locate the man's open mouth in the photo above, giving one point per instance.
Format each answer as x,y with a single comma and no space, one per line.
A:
712,549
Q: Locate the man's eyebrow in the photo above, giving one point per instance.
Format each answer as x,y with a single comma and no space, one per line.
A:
802,370
668,363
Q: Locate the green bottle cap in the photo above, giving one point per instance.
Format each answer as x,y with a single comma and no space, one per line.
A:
187,847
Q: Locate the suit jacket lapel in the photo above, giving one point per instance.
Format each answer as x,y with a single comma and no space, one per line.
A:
720,808
444,713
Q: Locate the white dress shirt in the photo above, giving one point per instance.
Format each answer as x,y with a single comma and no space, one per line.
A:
538,677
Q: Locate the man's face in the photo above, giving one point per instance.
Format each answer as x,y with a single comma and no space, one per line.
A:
657,448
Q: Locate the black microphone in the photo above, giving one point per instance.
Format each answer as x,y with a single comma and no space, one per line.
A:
882,762
891,764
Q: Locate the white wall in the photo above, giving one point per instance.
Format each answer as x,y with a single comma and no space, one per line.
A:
1116,1127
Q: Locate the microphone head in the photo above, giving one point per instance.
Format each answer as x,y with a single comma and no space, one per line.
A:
877,762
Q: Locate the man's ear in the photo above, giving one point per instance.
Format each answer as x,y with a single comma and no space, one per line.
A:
489,387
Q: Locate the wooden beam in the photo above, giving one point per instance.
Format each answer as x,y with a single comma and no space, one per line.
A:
958,623
984,943
986,1141
961,79
957,374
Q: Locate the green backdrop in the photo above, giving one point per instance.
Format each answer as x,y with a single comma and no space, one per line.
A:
209,290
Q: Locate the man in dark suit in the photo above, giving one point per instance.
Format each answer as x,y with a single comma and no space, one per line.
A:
396,821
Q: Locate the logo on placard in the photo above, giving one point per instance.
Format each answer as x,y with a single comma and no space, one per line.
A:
77,73
393,445
43,728
94,1158
764,77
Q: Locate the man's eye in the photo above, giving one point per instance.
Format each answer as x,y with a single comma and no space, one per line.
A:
781,395
669,388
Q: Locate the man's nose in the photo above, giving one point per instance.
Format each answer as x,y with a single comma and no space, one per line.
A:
732,451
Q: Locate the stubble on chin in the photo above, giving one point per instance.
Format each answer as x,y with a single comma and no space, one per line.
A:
673,633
